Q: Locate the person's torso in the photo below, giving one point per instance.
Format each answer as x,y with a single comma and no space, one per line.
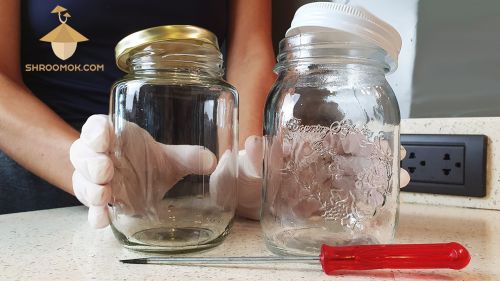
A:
79,85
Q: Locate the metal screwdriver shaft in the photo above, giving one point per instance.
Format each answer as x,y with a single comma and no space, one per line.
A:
222,260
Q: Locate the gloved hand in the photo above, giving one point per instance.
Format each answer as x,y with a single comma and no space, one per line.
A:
94,170
249,179
250,175
154,166
331,174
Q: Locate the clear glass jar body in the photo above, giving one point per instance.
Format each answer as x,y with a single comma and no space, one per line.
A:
172,101
331,165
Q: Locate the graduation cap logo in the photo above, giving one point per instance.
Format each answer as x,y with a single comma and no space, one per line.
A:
63,38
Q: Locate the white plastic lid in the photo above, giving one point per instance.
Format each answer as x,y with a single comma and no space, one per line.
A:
353,20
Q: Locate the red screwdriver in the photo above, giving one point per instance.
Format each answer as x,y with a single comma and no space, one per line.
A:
360,257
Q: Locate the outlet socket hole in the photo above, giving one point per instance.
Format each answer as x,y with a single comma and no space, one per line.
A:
446,157
422,163
458,164
412,155
446,171
412,169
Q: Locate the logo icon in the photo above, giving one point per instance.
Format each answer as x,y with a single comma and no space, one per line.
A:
63,38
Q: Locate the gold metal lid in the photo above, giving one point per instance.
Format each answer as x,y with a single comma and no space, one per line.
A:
124,48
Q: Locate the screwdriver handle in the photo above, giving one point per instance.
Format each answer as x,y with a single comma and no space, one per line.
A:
396,256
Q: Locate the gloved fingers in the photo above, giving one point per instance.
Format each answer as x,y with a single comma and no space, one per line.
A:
96,133
332,142
250,178
352,165
357,144
252,213
247,170
79,189
190,159
98,216
249,197
93,194
96,167
254,150
402,152
351,143
222,182
279,150
404,178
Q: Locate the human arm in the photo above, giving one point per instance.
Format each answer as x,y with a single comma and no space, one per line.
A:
250,61
30,132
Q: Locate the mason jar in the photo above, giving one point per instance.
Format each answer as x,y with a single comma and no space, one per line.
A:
174,141
331,165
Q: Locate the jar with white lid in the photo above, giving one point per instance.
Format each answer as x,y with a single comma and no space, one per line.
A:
331,165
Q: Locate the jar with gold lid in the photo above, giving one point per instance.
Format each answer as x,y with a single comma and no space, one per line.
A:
175,141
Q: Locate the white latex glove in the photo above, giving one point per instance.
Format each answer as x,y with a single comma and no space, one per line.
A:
301,174
250,178
250,165
139,178
404,177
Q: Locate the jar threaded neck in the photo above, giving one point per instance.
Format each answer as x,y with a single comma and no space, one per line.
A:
178,56
325,48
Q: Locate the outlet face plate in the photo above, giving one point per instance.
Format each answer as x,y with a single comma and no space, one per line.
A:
446,164
435,164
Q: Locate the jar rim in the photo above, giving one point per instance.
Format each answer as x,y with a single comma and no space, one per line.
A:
126,46
334,47
354,20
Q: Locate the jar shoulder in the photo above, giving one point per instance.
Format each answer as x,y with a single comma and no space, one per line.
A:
210,83
329,101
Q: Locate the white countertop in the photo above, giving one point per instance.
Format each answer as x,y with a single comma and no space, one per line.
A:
59,245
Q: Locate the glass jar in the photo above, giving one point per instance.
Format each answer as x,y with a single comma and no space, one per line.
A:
173,116
331,165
